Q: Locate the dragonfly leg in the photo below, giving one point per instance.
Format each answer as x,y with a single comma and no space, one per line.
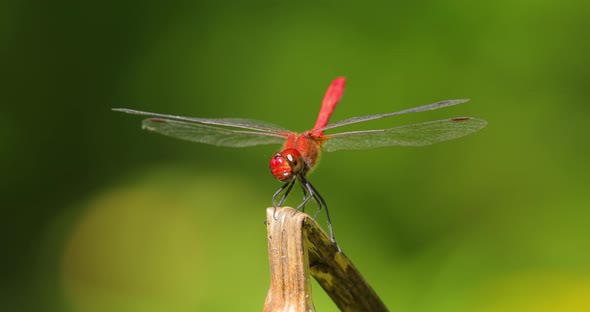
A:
306,198
313,193
287,188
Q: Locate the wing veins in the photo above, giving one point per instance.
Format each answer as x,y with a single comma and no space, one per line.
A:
420,134
208,134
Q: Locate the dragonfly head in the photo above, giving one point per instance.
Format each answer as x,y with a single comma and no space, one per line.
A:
286,165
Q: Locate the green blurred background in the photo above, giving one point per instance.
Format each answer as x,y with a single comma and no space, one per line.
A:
98,215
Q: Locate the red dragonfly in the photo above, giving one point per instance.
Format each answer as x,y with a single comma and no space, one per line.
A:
301,151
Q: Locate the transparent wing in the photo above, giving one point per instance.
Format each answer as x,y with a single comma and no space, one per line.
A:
420,134
428,107
242,123
214,135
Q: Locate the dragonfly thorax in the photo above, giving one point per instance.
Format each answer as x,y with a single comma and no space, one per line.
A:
286,165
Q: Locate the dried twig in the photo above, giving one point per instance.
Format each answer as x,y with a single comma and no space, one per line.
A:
298,246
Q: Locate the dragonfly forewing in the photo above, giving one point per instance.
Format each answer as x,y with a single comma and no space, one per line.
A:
422,108
251,124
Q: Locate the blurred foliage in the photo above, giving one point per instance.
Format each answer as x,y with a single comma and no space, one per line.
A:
101,216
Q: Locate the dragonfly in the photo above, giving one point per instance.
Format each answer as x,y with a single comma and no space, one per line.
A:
301,151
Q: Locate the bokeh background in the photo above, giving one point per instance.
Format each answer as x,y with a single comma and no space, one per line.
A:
98,215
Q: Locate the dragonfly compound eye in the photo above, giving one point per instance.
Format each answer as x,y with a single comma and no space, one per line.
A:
280,168
295,160
286,165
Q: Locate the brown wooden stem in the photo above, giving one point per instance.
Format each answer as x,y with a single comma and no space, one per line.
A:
297,246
